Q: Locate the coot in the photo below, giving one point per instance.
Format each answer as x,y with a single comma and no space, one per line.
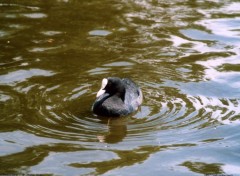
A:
117,97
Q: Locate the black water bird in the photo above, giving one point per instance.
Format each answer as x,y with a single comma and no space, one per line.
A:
117,97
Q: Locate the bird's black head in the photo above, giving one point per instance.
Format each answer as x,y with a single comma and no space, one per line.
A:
112,86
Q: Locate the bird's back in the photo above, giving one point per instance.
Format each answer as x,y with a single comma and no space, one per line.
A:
133,95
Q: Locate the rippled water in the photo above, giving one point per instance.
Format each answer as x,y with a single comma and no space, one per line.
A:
184,54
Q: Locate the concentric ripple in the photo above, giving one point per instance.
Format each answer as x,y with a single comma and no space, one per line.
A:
55,113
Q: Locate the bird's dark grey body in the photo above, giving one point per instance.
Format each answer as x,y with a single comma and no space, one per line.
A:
119,97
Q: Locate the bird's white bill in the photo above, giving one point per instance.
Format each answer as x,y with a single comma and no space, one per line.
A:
101,91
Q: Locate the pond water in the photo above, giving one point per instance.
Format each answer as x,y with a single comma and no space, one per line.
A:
184,54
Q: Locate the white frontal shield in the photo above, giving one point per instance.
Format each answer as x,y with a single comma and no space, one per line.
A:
101,91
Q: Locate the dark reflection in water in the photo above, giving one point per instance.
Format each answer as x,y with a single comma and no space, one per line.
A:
198,167
184,55
117,130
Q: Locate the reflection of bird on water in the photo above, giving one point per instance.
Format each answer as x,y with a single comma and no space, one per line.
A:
117,97
117,130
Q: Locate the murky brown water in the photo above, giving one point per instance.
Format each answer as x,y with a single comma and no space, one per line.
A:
184,54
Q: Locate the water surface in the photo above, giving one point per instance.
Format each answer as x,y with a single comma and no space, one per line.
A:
183,54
